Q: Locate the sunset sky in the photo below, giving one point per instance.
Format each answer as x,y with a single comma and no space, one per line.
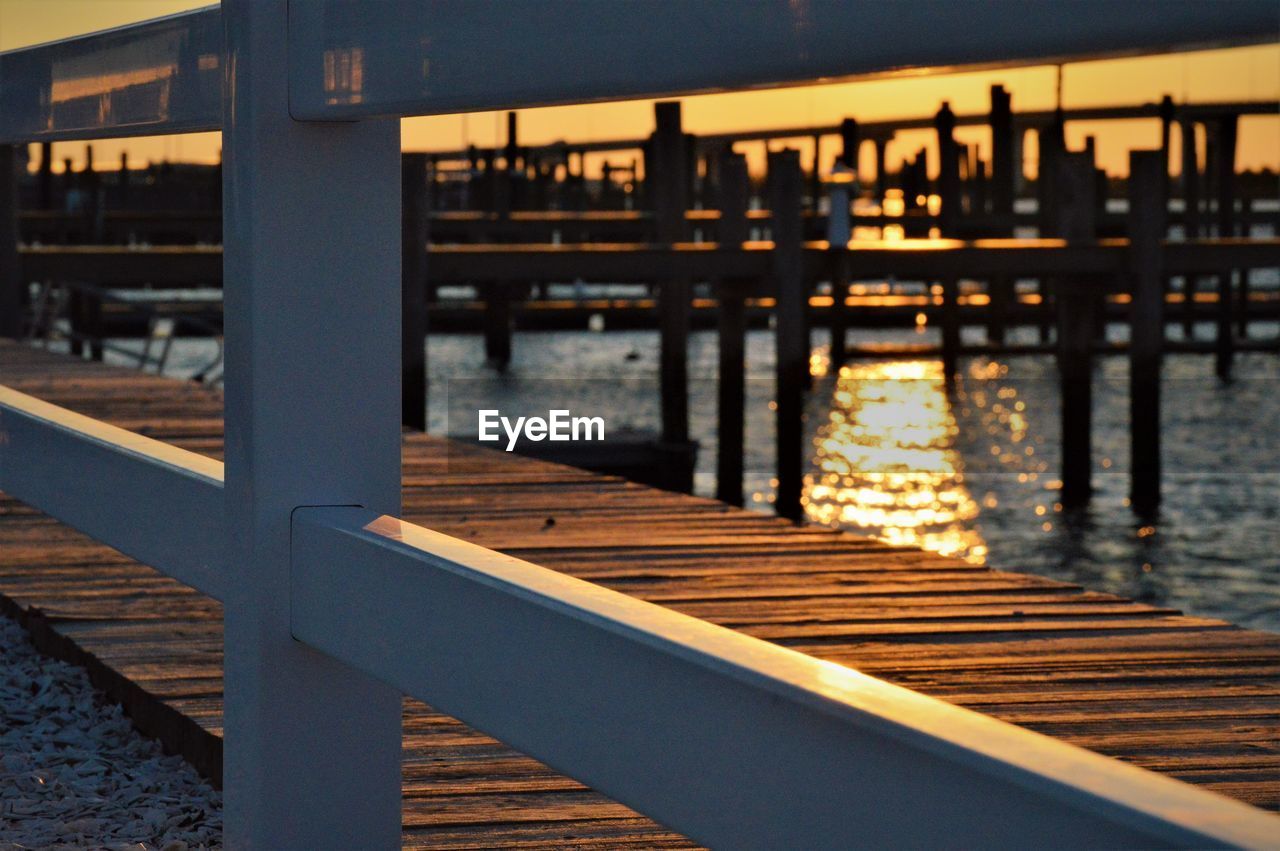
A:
1249,73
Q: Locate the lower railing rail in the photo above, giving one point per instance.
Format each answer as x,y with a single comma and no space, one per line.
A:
728,739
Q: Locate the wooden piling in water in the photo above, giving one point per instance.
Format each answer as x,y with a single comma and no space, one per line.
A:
11,289
413,291
944,124
849,142
792,369
1051,148
1190,217
1225,159
1147,211
839,231
1074,191
46,176
732,181
1003,189
1004,167
668,192
497,324
950,328
882,165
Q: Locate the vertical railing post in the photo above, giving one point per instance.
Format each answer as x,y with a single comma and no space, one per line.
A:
312,285
11,295
413,291
792,372
733,189
1147,205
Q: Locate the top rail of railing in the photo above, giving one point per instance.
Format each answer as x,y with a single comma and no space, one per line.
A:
397,57
158,76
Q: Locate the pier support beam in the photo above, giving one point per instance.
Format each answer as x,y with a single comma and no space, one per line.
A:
668,187
733,188
312,745
792,370
1075,190
1147,211
413,291
11,294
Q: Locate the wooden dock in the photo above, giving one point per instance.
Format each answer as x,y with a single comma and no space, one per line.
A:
1191,697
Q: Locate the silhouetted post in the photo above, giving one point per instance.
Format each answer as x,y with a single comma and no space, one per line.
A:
45,179
497,324
944,124
1147,211
513,142
122,183
1167,115
1190,216
792,342
731,397
950,328
882,177
849,142
1226,168
668,187
1051,147
1074,191
413,291
1003,166
815,174
11,294
92,302
1004,174
838,233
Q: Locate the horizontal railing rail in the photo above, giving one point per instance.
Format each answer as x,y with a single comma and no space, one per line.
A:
158,76
421,58
733,741
154,502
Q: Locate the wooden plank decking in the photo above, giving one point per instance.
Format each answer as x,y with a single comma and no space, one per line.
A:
1192,697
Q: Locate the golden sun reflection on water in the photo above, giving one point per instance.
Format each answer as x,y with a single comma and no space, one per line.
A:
887,462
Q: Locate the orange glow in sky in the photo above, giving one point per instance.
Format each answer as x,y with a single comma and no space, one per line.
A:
1247,73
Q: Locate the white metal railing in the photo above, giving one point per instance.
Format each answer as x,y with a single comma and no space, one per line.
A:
333,607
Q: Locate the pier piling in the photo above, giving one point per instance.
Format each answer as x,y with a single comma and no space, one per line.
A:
1074,191
1147,186
1225,160
668,186
733,191
792,369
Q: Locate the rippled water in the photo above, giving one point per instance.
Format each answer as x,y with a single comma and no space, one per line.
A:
971,473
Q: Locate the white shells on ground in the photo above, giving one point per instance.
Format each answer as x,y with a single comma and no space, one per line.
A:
74,773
